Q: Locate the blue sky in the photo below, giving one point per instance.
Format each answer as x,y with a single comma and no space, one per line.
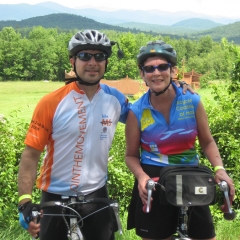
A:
221,8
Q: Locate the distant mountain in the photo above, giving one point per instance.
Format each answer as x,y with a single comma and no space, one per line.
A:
198,24
24,11
231,32
181,28
69,22
63,21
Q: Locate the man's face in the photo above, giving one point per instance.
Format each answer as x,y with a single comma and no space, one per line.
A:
91,70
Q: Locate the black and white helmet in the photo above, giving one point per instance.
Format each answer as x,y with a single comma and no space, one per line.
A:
89,40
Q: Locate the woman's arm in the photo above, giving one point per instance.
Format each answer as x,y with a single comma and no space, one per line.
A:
132,156
210,148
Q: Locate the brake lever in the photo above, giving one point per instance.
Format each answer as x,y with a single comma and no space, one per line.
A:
35,216
115,207
149,186
228,212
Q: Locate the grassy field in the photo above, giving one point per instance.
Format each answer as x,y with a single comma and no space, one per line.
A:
18,99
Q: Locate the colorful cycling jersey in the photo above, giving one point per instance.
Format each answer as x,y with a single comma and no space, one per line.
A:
168,144
77,134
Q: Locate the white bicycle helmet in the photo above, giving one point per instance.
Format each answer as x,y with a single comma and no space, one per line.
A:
89,40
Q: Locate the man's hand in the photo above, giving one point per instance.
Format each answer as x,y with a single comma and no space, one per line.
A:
25,213
186,87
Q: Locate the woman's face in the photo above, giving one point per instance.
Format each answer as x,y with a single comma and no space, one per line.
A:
157,80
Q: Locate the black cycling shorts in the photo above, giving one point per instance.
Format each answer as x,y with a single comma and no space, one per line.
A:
98,226
161,222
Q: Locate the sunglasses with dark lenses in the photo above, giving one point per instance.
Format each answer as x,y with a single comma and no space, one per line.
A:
160,68
87,56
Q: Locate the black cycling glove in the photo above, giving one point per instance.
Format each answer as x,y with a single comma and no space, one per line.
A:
25,213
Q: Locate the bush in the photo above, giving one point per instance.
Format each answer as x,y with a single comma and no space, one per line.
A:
11,146
120,179
205,80
12,135
224,122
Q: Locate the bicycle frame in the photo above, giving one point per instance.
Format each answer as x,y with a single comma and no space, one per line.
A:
74,228
182,230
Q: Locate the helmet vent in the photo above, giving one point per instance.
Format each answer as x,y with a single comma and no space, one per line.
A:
99,38
88,36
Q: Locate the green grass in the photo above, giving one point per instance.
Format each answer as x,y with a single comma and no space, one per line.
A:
20,98
226,230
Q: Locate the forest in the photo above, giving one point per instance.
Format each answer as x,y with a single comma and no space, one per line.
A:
41,54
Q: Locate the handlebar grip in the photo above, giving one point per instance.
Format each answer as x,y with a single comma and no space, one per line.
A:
229,216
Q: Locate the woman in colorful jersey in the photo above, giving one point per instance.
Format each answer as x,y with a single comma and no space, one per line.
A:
161,130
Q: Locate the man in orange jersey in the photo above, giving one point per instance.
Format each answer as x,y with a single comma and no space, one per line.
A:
75,125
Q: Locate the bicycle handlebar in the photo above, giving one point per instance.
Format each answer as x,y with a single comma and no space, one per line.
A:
84,201
228,212
80,200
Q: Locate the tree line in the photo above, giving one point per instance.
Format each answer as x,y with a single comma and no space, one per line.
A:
41,53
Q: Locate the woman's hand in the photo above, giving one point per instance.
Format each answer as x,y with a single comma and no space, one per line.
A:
143,192
221,175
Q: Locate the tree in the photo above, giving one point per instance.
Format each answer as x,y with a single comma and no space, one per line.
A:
12,54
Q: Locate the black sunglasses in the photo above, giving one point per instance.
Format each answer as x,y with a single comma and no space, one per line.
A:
84,56
160,68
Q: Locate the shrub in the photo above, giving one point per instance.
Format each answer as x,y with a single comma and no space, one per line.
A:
120,179
224,122
11,146
12,134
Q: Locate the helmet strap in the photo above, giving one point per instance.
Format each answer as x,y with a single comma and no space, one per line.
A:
164,90
87,83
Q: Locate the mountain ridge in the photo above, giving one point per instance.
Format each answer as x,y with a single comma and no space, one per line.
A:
64,21
25,11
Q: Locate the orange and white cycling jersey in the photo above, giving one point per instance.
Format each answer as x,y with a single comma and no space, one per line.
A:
77,134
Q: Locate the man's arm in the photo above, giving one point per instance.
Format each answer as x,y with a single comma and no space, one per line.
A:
27,172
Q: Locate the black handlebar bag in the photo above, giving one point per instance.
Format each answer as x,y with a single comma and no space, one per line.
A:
187,186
